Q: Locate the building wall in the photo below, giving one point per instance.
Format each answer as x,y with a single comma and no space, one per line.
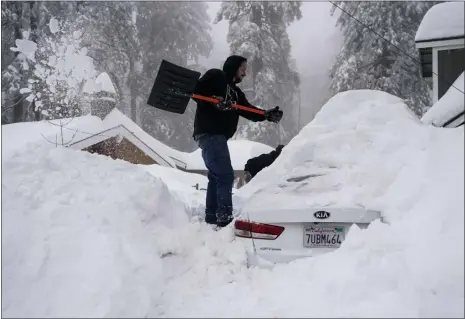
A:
121,149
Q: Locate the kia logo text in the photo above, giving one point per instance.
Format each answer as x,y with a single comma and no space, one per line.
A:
321,214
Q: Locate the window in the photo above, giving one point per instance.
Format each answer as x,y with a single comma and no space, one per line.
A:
451,63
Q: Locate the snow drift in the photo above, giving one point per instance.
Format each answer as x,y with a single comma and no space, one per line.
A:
83,235
376,153
88,236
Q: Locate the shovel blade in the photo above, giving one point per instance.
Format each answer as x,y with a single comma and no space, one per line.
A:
173,88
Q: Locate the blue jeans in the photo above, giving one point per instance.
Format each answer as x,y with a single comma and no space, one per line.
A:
215,154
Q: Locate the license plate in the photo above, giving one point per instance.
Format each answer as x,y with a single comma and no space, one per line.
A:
323,237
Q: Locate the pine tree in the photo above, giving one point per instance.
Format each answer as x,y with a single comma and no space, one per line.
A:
257,30
26,22
130,39
366,61
182,36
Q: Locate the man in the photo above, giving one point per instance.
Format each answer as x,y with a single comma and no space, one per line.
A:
216,123
256,164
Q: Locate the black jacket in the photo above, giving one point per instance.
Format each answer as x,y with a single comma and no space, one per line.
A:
210,120
256,164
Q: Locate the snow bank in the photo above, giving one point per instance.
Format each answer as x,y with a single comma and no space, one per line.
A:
240,151
19,136
376,152
449,106
83,235
444,20
182,184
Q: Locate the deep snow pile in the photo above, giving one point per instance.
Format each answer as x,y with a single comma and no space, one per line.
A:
355,149
84,235
374,153
18,136
190,188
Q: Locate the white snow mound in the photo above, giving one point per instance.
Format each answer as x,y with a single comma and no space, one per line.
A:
376,153
356,146
86,236
83,235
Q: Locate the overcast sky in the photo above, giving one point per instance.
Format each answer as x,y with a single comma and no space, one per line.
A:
315,41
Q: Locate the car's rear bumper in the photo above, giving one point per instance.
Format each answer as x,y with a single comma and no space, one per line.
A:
268,258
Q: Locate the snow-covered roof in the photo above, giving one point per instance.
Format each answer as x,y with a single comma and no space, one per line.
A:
115,118
122,131
85,131
240,151
449,107
47,133
443,21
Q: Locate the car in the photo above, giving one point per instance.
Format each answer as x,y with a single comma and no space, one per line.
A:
327,180
281,236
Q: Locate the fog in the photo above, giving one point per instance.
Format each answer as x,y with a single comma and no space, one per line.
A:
315,41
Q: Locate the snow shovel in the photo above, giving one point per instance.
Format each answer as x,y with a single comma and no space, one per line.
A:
175,85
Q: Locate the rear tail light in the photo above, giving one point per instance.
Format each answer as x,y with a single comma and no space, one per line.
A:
246,229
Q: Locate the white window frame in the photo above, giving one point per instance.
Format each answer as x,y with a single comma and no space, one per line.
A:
436,49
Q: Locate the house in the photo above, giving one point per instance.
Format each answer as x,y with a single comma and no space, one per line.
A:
120,138
440,39
240,151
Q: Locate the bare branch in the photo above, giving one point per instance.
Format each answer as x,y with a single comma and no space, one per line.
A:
72,138
56,144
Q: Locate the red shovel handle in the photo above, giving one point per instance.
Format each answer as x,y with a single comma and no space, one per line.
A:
236,106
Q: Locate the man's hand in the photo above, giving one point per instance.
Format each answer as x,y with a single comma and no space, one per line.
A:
274,115
223,105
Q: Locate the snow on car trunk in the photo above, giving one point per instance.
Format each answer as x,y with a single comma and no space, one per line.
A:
83,235
346,157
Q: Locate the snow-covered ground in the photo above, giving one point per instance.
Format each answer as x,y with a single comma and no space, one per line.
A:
190,188
88,236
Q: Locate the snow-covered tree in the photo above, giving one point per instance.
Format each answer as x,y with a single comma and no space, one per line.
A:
60,68
177,32
27,44
367,61
257,30
128,40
